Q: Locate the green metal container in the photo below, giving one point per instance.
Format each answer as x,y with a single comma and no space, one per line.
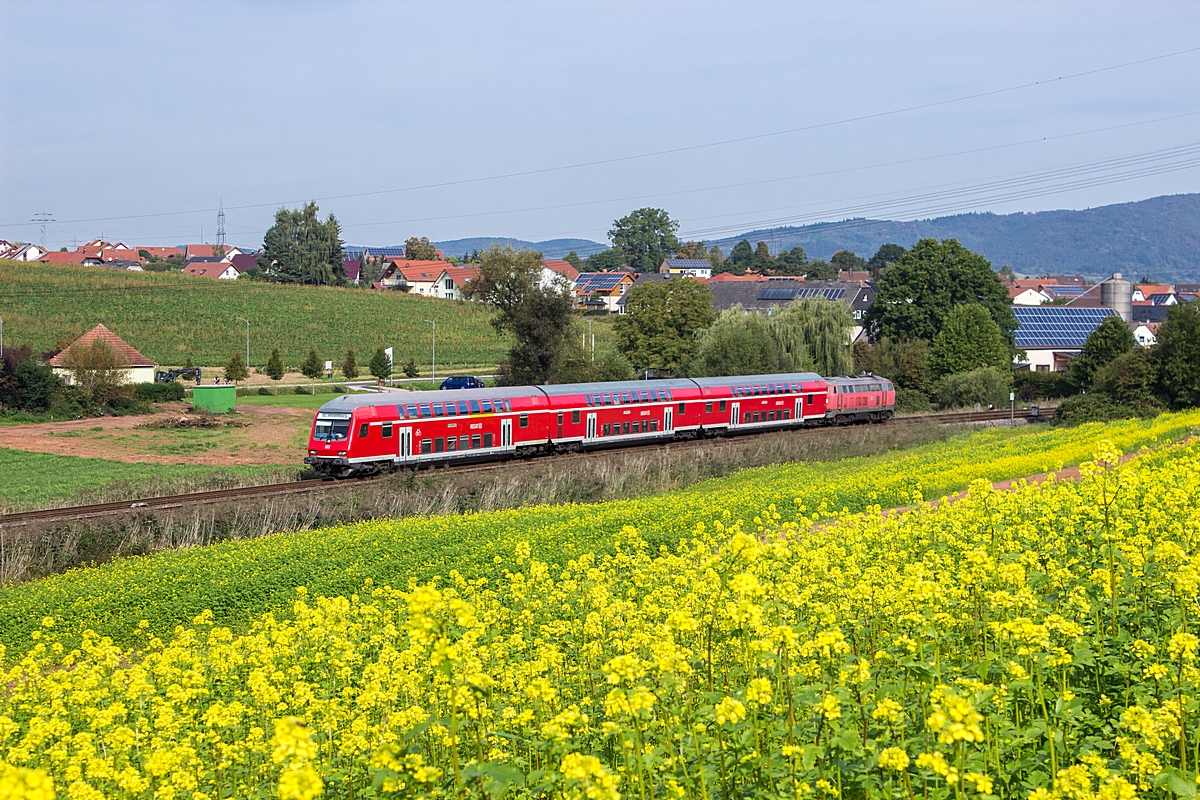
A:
214,399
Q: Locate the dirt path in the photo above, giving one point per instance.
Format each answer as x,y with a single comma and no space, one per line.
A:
257,435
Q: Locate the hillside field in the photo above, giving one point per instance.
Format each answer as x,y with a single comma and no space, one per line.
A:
169,317
730,640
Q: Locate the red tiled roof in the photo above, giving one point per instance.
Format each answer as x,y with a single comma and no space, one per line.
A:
563,268
199,251
114,254
415,271
729,276
132,357
63,258
207,269
162,252
460,275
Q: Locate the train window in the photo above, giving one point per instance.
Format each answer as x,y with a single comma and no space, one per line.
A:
425,412
487,406
771,416
645,397
682,406
439,445
412,411
451,444
474,406
787,414
451,411
560,418
606,399
626,429
475,441
386,430
637,426
524,420
757,418
653,425
507,406
708,408
575,417
462,407
426,446
810,399
438,411
487,440
363,430
722,407
875,387
608,430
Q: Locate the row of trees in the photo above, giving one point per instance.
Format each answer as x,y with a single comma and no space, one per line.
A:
313,366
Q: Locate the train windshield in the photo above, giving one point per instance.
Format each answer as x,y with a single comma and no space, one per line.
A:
332,430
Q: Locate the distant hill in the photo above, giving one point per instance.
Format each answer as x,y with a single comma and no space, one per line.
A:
551,248
1159,238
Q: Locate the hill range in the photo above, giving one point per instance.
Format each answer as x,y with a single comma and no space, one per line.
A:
1158,238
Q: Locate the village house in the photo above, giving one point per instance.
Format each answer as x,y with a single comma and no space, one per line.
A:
602,291
138,368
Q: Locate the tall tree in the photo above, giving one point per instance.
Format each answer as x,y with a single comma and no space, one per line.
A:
884,257
969,339
537,316
609,260
380,366
658,329
236,369
350,365
300,248
311,368
917,293
573,259
845,259
716,256
738,344
645,238
420,249
1111,338
792,262
97,368
695,250
741,257
1178,356
902,362
818,270
764,262
816,332
275,369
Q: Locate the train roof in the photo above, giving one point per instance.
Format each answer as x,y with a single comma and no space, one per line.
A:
738,380
560,389
349,402
864,378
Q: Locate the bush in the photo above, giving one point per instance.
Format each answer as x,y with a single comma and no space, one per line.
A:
910,400
1032,385
1094,407
159,392
302,390
264,391
984,385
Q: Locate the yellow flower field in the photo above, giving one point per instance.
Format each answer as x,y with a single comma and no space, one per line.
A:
1033,643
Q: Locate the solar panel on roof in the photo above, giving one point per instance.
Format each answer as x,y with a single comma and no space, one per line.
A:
1069,291
778,293
1050,326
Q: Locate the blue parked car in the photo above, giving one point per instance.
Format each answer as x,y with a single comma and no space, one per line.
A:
462,382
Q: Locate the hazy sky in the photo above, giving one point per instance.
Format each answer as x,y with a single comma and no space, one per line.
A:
158,112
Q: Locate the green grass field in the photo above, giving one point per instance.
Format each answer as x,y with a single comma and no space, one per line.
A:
28,479
170,317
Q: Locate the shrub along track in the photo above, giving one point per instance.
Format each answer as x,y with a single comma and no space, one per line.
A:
275,490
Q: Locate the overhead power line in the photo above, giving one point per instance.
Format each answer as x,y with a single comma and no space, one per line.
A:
666,151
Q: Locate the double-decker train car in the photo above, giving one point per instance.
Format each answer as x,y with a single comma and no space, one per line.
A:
364,434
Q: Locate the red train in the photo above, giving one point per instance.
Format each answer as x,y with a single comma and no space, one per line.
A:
365,434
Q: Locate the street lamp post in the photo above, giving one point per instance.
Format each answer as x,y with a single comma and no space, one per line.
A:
433,367
239,319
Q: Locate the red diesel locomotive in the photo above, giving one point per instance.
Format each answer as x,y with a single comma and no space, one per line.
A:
365,434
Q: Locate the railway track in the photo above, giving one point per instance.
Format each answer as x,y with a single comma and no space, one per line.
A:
123,507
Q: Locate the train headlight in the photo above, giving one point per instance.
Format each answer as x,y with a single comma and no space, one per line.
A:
312,452
341,452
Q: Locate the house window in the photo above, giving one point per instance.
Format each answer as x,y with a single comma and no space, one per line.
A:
449,284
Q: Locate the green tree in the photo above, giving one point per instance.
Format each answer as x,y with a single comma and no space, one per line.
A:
410,369
537,316
792,262
605,261
983,385
716,256
573,259
311,368
969,339
275,369
845,259
741,258
1178,356
658,329
764,262
1131,379
26,383
818,270
420,249
645,238
1111,338
350,365
300,248
917,293
236,370
738,344
816,332
380,366
369,272
902,362
884,257
696,250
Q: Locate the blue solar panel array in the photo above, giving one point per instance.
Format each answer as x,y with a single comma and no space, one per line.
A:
1069,291
1057,326
598,281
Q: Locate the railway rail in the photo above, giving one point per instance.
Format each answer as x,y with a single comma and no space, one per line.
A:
123,507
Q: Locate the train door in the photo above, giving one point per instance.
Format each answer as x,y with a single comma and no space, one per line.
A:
405,444
591,426
668,419
799,412
506,433
735,417
560,425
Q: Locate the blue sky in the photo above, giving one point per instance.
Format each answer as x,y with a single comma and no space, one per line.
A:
158,112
